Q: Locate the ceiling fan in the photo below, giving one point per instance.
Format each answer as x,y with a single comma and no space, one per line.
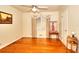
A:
36,8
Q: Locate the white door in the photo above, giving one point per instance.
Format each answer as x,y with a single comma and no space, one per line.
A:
41,27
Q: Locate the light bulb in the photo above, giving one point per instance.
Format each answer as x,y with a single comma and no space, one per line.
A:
34,9
73,33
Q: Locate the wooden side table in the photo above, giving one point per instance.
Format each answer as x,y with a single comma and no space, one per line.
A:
73,42
54,33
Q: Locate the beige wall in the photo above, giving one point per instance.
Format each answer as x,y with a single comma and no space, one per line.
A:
64,24
10,32
71,16
27,24
74,20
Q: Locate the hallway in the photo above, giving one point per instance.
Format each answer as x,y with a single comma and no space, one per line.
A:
28,45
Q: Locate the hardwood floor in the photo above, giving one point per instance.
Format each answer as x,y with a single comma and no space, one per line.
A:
28,45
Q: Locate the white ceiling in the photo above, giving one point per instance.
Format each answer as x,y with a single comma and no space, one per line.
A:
28,8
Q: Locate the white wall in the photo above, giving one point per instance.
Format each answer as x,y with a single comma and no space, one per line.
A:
64,24
71,16
10,32
27,24
74,20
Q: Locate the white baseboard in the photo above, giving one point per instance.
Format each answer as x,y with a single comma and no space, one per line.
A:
4,45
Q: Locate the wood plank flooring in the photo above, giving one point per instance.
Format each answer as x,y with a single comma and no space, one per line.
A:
29,45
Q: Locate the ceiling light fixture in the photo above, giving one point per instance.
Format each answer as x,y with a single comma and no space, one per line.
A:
34,9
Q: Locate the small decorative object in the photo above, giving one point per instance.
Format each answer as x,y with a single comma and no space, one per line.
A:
73,34
5,18
73,41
